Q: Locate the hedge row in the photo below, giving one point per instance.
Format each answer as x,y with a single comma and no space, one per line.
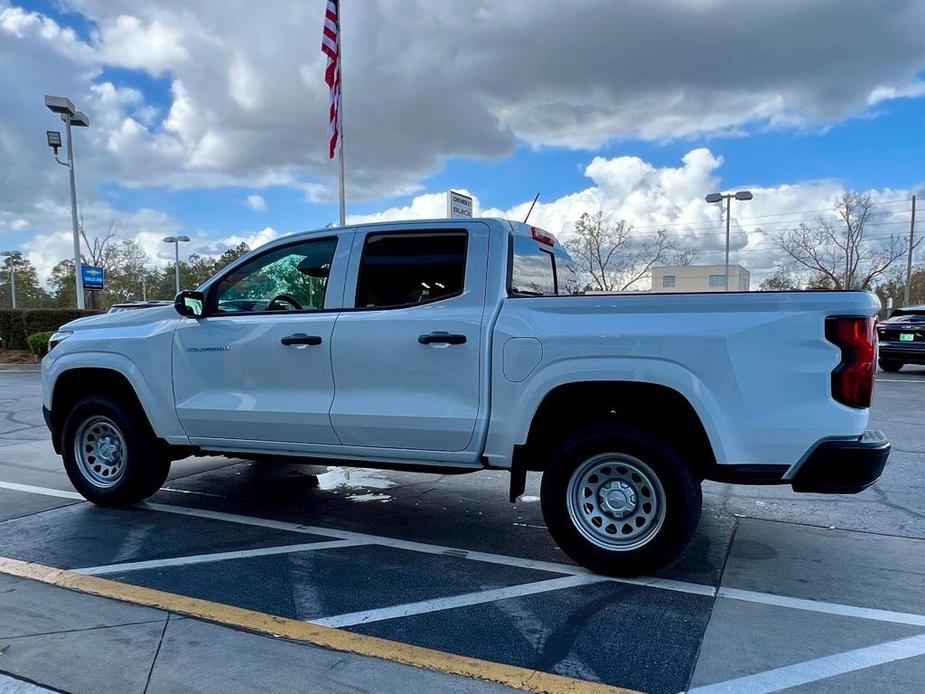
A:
16,326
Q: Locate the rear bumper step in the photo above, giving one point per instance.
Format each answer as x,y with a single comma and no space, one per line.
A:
843,467
832,467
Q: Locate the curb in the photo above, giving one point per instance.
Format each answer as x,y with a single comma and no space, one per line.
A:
20,367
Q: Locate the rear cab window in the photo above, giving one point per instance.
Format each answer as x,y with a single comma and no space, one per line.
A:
539,269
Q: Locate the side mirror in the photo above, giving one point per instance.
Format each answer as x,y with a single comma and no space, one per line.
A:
189,303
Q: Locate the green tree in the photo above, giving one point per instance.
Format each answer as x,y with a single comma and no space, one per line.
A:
63,291
894,287
29,291
780,280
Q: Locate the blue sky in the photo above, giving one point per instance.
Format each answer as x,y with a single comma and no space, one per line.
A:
196,108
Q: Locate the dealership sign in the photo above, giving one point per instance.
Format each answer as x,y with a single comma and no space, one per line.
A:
458,205
92,276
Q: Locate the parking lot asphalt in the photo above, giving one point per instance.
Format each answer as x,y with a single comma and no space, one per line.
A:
777,591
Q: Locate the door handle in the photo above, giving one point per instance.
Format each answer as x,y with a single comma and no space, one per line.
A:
441,338
301,339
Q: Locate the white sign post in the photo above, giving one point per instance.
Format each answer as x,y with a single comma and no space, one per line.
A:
458,205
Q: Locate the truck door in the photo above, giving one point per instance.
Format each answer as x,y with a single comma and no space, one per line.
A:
257,365
406,357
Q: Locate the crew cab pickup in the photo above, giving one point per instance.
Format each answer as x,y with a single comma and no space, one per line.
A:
459,345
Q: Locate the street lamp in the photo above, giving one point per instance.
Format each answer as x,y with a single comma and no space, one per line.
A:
176,240
719,197
12,255
71,117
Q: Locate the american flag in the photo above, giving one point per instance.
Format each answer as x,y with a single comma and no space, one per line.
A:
330,46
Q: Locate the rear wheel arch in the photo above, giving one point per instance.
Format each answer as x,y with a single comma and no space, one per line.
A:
659,409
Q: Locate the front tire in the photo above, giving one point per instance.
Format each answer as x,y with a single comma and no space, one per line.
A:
620,501
891,366
110,454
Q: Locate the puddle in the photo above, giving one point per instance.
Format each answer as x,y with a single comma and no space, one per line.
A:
356,478
369,497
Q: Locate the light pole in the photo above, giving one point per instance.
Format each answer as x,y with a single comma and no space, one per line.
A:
12,255
71,116
719,197
176,240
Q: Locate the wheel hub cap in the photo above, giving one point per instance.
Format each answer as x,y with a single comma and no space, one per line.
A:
99,449
616,501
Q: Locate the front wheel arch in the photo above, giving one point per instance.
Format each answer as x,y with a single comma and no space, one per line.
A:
79,382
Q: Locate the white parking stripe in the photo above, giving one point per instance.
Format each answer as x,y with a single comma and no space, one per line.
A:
824,607
44,491
818,669
423,547
215,556
364,538
438,604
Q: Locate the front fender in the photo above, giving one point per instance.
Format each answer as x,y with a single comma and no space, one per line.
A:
155,397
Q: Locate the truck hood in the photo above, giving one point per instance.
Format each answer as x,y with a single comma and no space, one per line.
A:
138,316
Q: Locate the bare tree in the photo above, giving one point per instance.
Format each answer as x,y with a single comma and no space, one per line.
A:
613,258
838,250
103,248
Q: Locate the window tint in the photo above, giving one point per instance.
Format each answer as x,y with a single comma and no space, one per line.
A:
669,281
531,268
291,278
403,269
717,280
566,273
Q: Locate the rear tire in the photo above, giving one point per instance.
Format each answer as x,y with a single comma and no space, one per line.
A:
620,501
890,366
110,453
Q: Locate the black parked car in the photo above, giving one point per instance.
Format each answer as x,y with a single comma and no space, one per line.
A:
902,338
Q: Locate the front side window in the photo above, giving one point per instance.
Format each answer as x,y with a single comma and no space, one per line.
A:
403,269
291,278
717,280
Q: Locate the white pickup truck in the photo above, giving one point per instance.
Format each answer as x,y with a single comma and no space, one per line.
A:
460,345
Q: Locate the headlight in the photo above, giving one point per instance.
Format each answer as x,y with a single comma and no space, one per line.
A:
57,338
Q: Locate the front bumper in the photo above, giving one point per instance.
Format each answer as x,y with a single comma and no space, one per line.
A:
843,467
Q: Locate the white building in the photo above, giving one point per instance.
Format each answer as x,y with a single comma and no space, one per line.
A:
698,278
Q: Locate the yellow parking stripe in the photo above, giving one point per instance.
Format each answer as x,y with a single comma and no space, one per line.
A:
327,637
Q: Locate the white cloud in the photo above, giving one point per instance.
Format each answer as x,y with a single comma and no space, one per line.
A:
127,41
652,198
256,203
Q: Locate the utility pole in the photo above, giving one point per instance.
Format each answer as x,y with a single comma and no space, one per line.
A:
909,256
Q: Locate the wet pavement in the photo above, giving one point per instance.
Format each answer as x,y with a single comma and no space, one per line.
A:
814,593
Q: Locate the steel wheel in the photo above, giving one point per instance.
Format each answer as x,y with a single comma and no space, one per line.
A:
100,451
616,501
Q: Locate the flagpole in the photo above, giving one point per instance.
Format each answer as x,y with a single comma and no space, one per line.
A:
340,115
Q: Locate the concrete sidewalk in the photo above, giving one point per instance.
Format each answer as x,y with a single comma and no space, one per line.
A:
75,642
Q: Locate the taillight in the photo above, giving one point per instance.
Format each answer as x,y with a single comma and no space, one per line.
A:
853,378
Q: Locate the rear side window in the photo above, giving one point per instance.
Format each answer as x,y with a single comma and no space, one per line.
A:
532,268
411,268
